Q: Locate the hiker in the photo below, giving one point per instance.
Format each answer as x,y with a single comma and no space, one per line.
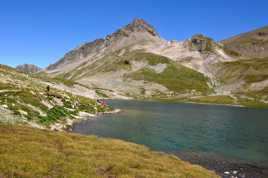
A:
48,88
103,103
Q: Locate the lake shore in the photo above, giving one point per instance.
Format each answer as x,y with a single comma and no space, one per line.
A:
66,125
225,168
202,123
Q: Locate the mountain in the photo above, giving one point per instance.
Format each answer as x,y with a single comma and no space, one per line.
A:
135,62
28,68
253,44
137,36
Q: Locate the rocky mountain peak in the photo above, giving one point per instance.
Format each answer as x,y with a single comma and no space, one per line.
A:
141,25
28,68
137,25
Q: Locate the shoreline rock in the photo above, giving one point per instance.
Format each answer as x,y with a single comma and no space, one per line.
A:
225,168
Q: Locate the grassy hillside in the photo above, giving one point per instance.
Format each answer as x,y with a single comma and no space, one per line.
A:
139,65
249,70
27,152
30,100
175,77
247,80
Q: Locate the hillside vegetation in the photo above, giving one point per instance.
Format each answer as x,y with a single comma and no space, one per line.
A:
144,67
247,79
40,153
249,70
31,100
175,77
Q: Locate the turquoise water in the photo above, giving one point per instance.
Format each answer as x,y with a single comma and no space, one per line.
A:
231,132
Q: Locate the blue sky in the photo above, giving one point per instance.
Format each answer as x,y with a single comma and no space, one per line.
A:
41,32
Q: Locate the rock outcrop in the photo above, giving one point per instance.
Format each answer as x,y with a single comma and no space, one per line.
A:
28,68
201,43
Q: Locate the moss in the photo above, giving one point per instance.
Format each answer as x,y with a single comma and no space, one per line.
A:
27,152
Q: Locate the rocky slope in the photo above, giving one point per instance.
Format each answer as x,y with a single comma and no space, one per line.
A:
136,62
28,68
253,44
43,104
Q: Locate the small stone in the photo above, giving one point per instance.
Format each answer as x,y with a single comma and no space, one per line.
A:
243,175
4,106
227,172
235,172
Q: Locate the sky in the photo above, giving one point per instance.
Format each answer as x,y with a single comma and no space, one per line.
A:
41,32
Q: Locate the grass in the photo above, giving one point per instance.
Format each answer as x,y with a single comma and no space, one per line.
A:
101,94
58,79
252,103
231,52
54,114
249,70
218,99
175,77
152,59
27,102
21,100
28,153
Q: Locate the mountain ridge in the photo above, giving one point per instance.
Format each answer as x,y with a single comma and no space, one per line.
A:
250,44
112,64
28,68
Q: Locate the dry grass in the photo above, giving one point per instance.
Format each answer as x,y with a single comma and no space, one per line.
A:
28,152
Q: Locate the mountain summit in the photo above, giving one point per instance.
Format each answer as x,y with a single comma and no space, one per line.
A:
136,32
137,25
